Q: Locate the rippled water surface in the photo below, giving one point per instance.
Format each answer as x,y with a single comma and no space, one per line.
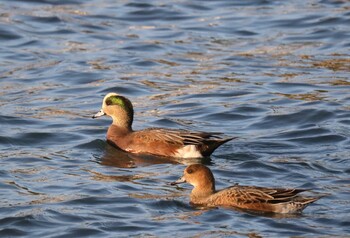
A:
275,74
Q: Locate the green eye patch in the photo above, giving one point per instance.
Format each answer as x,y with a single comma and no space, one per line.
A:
116,100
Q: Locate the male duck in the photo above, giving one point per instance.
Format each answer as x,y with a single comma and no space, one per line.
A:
156,141
275,200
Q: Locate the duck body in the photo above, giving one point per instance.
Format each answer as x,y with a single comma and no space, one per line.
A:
262,199
157,141
165,142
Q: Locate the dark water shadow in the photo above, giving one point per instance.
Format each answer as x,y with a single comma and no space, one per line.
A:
117,158
254,213
269,214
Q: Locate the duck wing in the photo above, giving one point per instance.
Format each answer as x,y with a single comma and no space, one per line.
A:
252,194
175,136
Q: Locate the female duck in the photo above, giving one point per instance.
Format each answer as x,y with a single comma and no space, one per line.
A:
156,141
276,200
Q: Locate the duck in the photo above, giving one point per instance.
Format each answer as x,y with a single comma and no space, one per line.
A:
177,143
252,198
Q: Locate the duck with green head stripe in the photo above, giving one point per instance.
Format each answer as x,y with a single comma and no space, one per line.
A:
157,141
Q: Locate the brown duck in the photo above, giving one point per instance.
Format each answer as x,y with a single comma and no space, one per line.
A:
276,200
156,141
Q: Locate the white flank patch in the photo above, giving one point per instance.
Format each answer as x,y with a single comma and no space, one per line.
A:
188,151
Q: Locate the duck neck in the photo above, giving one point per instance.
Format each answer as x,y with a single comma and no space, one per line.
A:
122,124
115,131
200,194
122,117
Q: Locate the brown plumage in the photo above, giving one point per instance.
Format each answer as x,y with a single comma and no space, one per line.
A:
157,141
277,200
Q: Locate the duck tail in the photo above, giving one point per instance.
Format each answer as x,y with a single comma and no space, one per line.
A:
303,202
212,144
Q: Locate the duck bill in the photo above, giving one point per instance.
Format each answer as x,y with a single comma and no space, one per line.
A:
180,180
99,114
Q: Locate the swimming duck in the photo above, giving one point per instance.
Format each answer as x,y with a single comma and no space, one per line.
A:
156,141
275,200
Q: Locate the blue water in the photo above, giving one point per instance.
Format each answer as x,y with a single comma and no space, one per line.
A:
275,74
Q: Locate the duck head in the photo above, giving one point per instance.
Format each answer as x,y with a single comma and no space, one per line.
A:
119,108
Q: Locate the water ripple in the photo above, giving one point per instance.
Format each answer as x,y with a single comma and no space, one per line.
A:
274,74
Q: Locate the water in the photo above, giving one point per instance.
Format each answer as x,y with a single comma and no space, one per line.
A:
273,73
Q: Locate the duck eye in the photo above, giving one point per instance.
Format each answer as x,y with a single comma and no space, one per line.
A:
189,171
108,102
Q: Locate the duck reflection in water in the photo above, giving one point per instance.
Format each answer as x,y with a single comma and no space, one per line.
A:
118,158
